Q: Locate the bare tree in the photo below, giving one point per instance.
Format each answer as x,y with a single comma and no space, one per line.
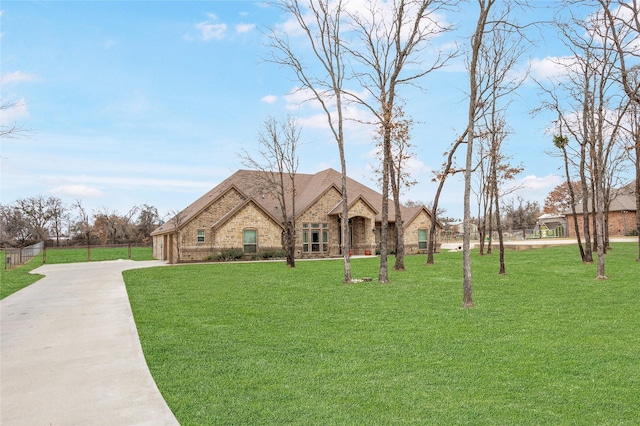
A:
15,227
14,129
278,165
390,39
621,19
593,85
521,214
494,27
447,170
561,142
474,98
83,221
323,76
38,211
399,177
59,218
178,219
148,220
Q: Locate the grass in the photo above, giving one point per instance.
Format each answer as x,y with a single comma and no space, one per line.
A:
74,255
12,280
259,343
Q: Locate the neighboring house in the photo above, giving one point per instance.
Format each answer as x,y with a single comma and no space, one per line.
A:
239,214
551,225
458,229
622,213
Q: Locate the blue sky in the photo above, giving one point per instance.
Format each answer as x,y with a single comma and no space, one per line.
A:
133,102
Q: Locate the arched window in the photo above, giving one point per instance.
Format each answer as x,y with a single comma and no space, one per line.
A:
422,239
250,240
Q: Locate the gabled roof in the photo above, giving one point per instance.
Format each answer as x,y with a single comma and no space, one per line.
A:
195,208
309,188
622,199
411,213
337,210
224,219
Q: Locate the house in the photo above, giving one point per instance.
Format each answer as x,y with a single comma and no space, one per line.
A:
622,213
238,213
551,225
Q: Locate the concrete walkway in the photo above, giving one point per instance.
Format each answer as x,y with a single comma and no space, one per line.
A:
71,353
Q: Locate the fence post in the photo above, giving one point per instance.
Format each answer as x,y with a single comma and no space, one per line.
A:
129,250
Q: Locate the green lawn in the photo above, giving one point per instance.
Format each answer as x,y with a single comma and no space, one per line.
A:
15,279
97,253
262,344
12,280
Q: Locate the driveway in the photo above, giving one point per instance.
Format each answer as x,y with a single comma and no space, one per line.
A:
71,353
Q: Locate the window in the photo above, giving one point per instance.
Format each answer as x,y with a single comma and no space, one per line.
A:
201,235
250,240
311,237
305,241
422,239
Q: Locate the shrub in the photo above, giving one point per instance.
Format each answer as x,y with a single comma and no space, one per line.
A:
271,254
229,255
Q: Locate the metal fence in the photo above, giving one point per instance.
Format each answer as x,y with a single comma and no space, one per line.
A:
21,255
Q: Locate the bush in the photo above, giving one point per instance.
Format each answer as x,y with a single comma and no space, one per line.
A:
271,254
632,233
229,255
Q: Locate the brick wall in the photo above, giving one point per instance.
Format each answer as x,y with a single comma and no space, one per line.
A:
318,213
620,223
230,234
422,221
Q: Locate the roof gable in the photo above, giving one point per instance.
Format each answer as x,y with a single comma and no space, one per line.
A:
240,207
196,208
412,213
252,185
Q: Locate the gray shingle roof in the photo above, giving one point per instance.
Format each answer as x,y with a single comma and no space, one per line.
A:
309,188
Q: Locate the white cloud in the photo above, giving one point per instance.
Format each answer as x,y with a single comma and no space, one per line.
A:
81,191
18,77
244,28
269,99
211,29
10,115
550,67
129,182
534,188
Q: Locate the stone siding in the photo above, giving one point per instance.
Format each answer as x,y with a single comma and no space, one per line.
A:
230,234
318,212
363,228
620,223
422,221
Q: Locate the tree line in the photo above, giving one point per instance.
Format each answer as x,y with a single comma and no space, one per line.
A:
46,218
364,56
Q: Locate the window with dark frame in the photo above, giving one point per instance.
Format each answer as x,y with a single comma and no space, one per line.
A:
422,239
315,237
250,241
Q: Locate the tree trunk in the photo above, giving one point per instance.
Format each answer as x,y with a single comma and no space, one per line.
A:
637,149
436,199
572,195
395,189
495,195
383,275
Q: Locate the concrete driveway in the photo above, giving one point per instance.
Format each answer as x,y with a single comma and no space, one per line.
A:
71,353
